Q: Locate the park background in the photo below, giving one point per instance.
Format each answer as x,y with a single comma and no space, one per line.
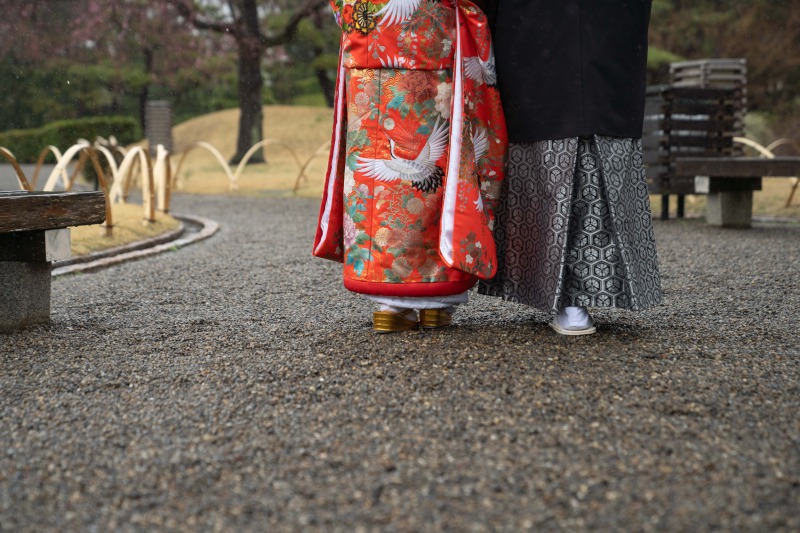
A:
235,73
235,385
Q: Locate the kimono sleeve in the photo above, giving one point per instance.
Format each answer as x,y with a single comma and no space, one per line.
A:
328,243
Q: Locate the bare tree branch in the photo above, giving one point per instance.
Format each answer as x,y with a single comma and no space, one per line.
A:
188,9
291,27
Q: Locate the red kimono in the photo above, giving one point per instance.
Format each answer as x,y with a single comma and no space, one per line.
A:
418,147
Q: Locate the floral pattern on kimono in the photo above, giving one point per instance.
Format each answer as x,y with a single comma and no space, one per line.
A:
417,151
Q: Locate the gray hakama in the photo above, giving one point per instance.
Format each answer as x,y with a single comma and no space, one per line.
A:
574,226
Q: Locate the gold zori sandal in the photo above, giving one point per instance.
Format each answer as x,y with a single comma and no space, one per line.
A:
392,322
434,318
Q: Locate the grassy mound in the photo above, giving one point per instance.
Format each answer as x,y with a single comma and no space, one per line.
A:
304,130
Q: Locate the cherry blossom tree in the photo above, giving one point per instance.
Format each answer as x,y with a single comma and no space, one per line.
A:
149,33
162,38
115,48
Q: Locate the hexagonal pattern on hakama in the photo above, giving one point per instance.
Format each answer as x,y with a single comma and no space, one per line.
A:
577,227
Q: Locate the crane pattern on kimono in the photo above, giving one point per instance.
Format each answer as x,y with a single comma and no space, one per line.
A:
394,62
480,145
475,68
423,172
481,71
396,11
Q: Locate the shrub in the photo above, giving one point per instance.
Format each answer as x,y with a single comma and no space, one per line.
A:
27,144
24,144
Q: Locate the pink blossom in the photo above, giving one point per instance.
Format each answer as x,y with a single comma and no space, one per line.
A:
350,232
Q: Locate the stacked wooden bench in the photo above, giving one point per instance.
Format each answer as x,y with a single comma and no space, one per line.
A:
689,149
34,233
710,72
685,123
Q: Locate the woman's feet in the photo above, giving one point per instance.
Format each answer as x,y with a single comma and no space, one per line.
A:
393,320
573,321
570,321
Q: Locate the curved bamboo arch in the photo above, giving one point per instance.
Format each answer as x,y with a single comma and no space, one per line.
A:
119,189
148,186
322,150
136,160
112,162
769,154
782,142
63,160
82,158
162,175
233,176
765,152
221,160
101,179
158,176
118,193
265,143
60,168
129,181
23,181
40,161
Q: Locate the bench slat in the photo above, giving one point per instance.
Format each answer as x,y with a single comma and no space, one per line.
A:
46,211
738,167
721,110
706,126
676,142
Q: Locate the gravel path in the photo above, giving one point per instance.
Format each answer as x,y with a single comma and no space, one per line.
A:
234,385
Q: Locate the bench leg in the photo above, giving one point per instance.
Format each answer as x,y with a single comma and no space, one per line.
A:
681,205
730,209
665,207
26,294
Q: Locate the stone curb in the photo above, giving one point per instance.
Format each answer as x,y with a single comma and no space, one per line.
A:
142,249
125,248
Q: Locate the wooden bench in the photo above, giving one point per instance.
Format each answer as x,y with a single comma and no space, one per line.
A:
34,233
729,183
689,149
688,122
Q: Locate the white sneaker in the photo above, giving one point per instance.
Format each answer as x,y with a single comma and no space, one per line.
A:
573,321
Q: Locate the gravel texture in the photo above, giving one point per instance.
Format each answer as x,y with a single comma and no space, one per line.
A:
234,385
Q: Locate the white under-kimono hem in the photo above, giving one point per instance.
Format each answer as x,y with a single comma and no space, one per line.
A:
427,302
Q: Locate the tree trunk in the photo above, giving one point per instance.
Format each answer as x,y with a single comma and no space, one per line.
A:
327,84
251,83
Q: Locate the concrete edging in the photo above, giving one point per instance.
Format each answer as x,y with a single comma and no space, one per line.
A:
140,249
125,248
